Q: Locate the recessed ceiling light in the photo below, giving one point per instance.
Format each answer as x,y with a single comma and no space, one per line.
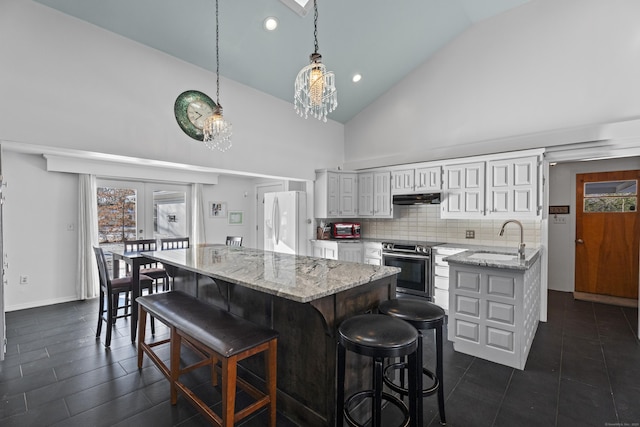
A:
270,23
356,78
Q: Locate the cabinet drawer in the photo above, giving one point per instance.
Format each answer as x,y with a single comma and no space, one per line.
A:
442,298
372,252
441,282
373,261
441,270
439,259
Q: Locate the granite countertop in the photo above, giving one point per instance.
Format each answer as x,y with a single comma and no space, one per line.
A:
467,257
298,278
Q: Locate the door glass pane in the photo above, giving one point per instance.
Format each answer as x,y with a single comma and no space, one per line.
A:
169,214
610,196
116,215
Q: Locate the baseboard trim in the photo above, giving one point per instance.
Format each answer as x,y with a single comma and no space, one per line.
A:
34,304
606,299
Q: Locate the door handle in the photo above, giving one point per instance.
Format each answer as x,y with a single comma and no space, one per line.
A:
580,241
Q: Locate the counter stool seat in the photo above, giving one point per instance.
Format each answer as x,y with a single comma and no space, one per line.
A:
379,337
422,315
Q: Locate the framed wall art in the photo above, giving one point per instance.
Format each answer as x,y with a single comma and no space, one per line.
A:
235,217
217,209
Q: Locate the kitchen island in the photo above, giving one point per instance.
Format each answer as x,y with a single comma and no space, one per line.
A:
494,304
304,298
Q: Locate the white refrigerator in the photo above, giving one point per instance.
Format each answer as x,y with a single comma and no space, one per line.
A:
285,217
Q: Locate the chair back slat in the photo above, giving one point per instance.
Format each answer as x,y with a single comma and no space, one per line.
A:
234,240
174,243
102,267
141,245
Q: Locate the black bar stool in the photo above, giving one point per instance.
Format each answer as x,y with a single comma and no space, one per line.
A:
379,337
422,315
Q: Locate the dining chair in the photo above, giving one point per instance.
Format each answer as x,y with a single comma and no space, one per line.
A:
111,289
174,243
234,240
154,270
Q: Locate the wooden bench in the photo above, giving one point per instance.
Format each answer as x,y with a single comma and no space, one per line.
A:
217,336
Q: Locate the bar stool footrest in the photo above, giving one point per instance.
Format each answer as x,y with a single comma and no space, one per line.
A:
356,398
403,391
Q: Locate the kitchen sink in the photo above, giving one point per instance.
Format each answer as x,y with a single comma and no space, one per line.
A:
493,256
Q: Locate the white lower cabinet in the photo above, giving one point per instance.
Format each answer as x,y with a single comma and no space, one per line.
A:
441,274
372,253
350,251
494,312
343,251
325,249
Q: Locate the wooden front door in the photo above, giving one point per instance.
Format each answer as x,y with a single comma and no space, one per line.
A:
607,233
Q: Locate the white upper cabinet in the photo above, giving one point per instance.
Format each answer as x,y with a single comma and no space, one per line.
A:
463,190
374,194
499,188
402,181
336,194
382,194
512,188
348,206
365,194
417,180
428,180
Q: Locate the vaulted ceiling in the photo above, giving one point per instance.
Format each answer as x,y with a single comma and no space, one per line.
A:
381,40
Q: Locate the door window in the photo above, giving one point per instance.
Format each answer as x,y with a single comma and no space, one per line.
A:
610,196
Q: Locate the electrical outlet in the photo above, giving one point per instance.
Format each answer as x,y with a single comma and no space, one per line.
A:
24,280
470,234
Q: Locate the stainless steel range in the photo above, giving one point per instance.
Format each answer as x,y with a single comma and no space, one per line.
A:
414,259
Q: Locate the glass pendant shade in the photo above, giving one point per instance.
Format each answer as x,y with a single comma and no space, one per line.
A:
217,131
315,90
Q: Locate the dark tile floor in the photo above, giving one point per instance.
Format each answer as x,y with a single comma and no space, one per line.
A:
583,370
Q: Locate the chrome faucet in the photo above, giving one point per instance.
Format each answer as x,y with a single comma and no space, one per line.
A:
521,247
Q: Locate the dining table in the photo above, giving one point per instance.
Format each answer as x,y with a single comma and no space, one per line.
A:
135,260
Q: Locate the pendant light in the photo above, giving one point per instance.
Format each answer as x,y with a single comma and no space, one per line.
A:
217,131
315,89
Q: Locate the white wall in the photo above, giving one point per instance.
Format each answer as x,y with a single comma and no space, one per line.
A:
239,194
67,83
546,65
562,191
38,208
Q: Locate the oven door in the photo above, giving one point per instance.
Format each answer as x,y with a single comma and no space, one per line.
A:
415,277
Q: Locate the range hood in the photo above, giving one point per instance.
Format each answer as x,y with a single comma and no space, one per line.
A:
417,199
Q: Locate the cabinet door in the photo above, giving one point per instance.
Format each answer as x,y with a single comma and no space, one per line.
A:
365,194
350,252
512,188
333,194
348,205
428,179
402,181
331,252
382,194
463,191
318,251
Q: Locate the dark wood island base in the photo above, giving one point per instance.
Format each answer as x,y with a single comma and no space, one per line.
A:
307,377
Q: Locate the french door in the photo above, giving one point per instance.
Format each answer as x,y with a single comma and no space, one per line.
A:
130,210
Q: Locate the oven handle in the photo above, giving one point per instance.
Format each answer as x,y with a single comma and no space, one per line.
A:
413,256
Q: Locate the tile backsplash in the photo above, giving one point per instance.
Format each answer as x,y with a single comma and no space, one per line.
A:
423,222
